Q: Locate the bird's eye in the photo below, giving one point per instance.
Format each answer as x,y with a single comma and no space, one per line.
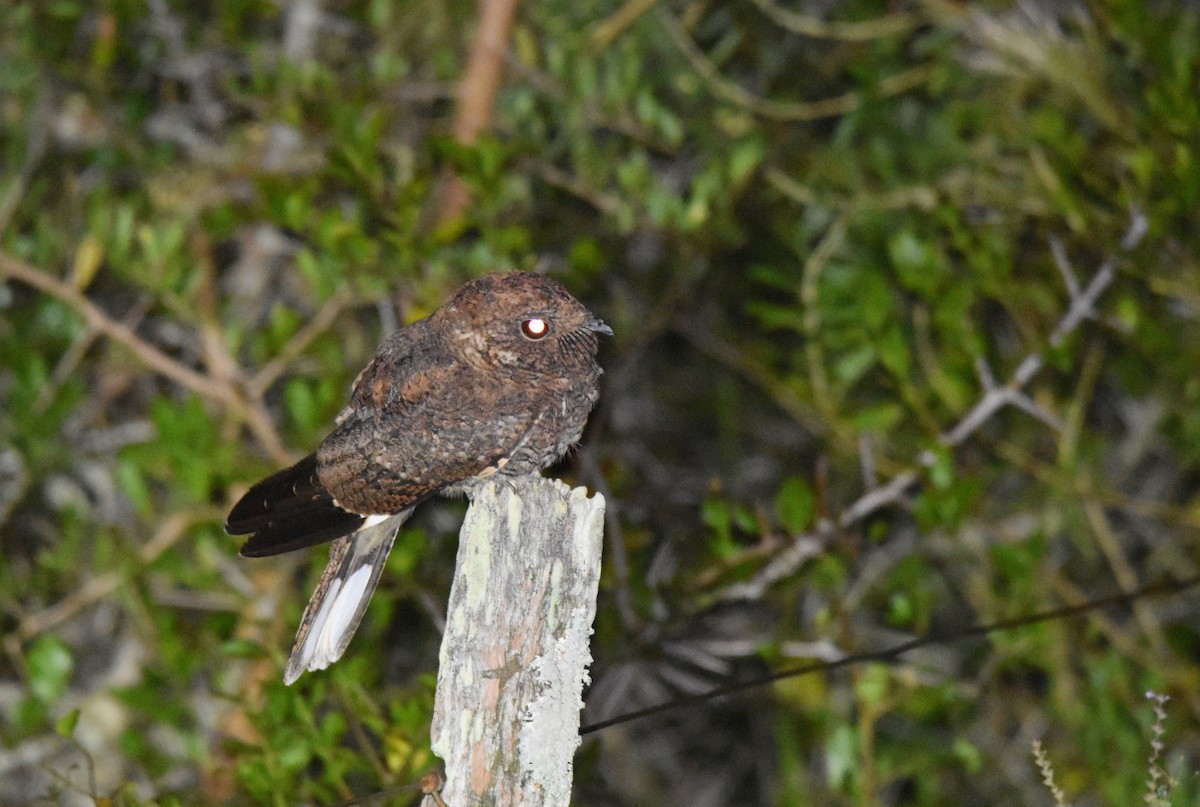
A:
535,328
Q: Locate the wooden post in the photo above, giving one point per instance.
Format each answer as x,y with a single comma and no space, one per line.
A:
515,652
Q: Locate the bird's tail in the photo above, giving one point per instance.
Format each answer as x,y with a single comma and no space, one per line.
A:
338,604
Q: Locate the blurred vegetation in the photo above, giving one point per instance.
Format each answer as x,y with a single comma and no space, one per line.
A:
822,232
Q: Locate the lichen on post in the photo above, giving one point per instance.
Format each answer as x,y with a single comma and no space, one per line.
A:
515,651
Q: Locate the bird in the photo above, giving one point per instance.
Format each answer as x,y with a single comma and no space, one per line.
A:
498,382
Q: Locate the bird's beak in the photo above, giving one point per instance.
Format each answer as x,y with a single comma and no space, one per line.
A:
599,326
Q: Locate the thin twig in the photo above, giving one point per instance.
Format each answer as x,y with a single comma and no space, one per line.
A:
606,203
610,28
205,385
1124,572
994,398
477,91
117,331
1082,306
783,110
99,587
890,25
1160,589
66,366
270,372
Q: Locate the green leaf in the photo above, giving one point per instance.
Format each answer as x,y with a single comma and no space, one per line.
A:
65,725
893,352
853,365
775,316
302,404
879,418
918,265
941,473
718,516
243,648
747,155
133,484
841,756
900,609
50,665
967,753
794,504
873,685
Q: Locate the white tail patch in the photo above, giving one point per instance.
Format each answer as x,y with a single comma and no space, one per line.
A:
345,605
338,604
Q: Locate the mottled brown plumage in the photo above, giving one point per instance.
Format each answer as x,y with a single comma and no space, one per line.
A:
500,380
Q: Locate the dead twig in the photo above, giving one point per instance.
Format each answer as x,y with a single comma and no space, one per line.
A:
270,372
889,25
609,30
783,110
477,91
69,363
117,331
1082,306
995,397
253,414
99,587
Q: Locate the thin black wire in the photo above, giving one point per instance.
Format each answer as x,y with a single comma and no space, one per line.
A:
1159,589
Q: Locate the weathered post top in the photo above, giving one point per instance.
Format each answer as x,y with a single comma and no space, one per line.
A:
515,654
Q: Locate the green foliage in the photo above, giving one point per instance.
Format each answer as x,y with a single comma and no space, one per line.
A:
820,247
794,504
50,665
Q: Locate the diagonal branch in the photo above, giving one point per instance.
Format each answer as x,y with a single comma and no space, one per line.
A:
224,392
477,92
270,372
865,31
151,356
1082,306
783,110
97,588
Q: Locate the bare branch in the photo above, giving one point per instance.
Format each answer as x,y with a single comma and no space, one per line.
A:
117,331
986,378
610,28
783,110
223,391
1031,407
99,587
477,91
866,459
890,25
877,498
270,372
1064,267
995,397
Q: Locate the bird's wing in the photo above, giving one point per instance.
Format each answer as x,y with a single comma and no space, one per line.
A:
295,508
407,436
289,510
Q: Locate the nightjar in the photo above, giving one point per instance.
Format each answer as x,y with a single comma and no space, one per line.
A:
499,380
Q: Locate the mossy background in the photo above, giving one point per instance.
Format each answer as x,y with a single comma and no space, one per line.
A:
818,230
